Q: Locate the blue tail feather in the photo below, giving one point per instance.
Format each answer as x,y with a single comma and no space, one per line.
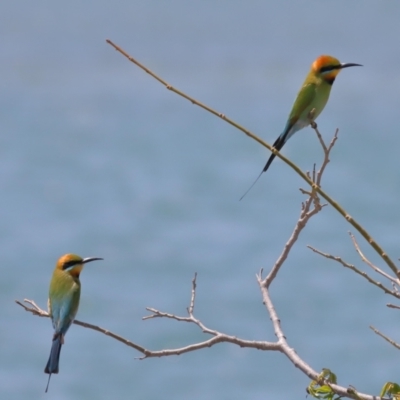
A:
52,363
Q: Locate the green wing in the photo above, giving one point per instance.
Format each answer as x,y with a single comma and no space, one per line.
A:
305,102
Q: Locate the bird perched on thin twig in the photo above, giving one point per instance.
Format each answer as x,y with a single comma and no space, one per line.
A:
63,303
313,95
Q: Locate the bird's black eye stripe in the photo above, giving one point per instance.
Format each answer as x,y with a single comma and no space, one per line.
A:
70,264
328,68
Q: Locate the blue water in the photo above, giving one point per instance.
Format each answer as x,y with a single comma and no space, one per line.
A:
98,159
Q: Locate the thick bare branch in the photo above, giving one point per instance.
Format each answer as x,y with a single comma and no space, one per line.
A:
310,207
218,337
304,176
281,345
291,353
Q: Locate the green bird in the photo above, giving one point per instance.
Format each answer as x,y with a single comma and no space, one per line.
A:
64,294
313,95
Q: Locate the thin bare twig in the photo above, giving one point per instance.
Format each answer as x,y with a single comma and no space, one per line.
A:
304,176
36,310
392,342
217,337
369,263
393,306
305,215
355,269
326,149
160,314
193,298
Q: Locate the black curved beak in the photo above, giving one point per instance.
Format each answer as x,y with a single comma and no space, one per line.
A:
345,65
89,259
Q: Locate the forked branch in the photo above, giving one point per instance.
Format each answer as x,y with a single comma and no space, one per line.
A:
309,181
280,345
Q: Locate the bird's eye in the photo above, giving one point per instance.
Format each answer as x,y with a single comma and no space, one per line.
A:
70,264
329,68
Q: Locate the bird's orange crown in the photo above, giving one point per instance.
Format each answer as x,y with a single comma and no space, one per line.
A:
324,61
70,263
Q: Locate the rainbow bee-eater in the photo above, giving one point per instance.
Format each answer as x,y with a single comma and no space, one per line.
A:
310,100
63,303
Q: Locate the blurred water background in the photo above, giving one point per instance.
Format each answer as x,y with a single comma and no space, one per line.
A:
98,159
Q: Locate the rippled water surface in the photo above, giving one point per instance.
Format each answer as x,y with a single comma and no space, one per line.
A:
97,158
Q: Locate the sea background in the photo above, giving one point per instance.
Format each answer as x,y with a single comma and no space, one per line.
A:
99,159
